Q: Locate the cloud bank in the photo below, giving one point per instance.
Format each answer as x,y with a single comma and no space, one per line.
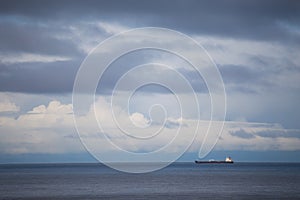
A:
50,129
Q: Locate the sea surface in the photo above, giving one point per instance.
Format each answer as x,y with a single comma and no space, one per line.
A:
177,181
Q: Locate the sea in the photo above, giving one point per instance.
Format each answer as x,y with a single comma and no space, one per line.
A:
177,181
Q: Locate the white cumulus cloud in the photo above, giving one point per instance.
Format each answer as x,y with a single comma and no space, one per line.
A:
7,106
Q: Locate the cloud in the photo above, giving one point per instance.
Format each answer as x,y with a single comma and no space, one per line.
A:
240,74
247,136
20,37
7,106
50,129
30,58
174,123
272,131
54,45
236,19
54,107
279,133
41,77
52,40
242,134
139,120
44,129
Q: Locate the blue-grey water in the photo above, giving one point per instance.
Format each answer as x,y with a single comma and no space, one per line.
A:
178,181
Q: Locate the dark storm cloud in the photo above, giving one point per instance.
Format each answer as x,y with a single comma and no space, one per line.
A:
264,20
244,79
34,38
40,27
242,134
54,77
258,74
195,79
239,74
110,79
281,65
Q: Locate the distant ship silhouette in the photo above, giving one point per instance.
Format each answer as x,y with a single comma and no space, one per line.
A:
228,160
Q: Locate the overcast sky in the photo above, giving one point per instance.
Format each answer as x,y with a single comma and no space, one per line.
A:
255,45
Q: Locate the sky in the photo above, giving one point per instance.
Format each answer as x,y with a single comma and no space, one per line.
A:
255,46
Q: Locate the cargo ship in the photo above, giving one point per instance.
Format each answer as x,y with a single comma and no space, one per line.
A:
228,160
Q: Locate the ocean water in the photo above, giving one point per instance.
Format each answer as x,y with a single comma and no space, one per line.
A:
177,181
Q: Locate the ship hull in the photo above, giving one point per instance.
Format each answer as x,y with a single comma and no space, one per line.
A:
213,162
